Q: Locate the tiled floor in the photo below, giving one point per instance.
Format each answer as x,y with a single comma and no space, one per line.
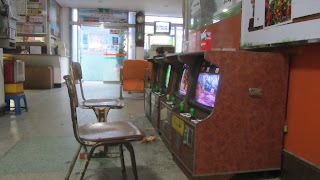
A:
39,144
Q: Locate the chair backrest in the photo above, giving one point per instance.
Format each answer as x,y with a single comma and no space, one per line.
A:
73,105
134,69
76,72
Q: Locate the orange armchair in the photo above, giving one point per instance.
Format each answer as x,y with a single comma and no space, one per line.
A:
134,74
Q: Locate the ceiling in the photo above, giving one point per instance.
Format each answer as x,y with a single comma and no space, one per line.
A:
170,8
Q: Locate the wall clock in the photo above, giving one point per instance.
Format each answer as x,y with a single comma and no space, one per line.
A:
140,29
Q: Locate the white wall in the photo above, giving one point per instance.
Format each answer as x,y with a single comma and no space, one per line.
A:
1,80
65,28
139,53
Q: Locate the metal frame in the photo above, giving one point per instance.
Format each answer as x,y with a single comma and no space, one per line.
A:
73,105
101,112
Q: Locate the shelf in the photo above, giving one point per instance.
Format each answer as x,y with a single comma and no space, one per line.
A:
30,44
32,34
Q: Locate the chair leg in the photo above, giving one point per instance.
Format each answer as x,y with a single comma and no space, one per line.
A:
73,162
123,166
87,162
133,159
17,105
8,104
25,103
85,151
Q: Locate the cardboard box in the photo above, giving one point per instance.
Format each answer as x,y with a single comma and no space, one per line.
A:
38,77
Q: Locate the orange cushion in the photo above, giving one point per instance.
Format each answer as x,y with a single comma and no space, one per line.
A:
133,85
134,69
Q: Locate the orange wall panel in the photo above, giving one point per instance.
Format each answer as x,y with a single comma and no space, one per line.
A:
303,111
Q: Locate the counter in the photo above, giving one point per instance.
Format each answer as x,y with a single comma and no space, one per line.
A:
60,64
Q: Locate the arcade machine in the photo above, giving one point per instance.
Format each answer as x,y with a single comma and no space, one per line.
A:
157,92
153,87
233,116
147,93
174,97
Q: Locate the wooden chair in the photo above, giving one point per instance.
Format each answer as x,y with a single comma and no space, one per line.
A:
101,107
101,134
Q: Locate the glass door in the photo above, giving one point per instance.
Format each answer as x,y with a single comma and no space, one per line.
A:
102,52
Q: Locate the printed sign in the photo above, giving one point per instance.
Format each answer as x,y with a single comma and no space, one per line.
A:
34,5
267,22
34,12
35,19
178,124
103,15
115,31
164,114
91,19
115,41
206,41
153,99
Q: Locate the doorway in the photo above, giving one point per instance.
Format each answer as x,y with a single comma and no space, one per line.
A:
102,52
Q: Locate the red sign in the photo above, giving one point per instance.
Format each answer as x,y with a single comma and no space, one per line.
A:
114,31
206,41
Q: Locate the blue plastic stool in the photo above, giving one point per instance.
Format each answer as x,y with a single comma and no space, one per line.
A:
16,98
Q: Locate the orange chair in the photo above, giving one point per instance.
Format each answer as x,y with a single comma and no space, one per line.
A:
134,74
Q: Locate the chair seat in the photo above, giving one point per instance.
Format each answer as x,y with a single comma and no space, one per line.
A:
106,131
112,103
133,85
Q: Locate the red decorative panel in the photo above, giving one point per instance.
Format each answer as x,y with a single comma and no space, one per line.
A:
225,34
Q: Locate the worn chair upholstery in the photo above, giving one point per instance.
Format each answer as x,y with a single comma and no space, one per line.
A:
134,74
101,133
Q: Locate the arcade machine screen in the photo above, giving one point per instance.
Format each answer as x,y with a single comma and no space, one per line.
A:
168,76
207,85
183,86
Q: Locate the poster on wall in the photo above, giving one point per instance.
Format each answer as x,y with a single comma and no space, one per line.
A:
21,7
34,16
275,22
54,18
102,15
115,41
34,4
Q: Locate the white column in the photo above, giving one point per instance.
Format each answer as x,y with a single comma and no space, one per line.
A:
2,103
65,28
139,53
